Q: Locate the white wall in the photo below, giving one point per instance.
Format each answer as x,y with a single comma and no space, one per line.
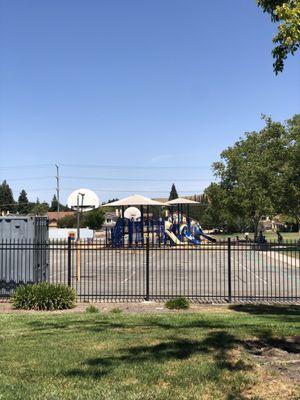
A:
63,233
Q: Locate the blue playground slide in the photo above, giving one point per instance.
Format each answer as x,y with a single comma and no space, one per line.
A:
191,238
117,234
208,237
199,232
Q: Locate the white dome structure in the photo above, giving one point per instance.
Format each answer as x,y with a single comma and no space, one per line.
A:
87,200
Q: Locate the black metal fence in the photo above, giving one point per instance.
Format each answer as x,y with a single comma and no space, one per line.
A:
224,271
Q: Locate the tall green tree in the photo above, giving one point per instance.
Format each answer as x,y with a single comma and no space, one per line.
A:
287,39
252,173
54,204
7,202
23,205
173,193
216,213
290,197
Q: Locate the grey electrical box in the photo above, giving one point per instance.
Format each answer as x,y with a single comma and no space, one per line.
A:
23,251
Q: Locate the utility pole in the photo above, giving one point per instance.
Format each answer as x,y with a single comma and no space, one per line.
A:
57,190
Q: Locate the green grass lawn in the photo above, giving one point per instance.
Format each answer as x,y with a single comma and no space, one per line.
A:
270,236
128,356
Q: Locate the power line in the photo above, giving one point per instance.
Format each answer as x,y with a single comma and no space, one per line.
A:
136,179
133,190
169,180
18,203
107,166
36,178
41,190
33,166
135,167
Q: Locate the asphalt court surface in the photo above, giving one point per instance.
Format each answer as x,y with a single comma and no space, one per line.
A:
198,273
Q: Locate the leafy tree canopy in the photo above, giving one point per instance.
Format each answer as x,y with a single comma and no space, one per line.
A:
252,173
40,208
94,219
69,221
290,196
287,38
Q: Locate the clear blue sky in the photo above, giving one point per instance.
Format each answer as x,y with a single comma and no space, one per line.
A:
133,83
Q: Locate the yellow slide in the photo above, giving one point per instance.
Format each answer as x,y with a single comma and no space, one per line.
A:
173,237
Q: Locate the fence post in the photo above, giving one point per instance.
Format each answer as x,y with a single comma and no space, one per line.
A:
229,268
147,269
69,260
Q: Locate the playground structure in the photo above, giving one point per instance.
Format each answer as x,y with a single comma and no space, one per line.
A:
172,227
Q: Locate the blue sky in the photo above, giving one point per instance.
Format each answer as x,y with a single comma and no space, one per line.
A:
132,83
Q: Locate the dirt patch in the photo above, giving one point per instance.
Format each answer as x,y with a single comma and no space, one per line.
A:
270,386
147,307
281,355
277,366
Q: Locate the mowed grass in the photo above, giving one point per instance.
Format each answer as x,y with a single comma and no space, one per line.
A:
114,356
270,236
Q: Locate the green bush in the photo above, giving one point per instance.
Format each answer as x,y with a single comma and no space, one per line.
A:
116,310
178,303
44,296
91,309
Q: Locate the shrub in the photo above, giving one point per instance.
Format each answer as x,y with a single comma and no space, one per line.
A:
68,221
178,303
91,309
94,219
116,310
44,296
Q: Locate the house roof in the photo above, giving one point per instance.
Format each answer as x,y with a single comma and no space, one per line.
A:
52,215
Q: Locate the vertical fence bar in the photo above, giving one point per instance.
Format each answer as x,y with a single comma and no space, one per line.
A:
229,268
147,270
69,260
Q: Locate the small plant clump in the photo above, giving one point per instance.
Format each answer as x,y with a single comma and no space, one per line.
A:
91,309
116,310
179,303
44,296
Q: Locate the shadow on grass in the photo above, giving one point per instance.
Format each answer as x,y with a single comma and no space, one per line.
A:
263,309
92,326
216,344
275,314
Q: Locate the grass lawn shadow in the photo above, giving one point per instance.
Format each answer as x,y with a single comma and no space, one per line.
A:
217,344
262,309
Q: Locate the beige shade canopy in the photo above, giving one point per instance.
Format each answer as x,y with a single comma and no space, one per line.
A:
135,200
181,200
